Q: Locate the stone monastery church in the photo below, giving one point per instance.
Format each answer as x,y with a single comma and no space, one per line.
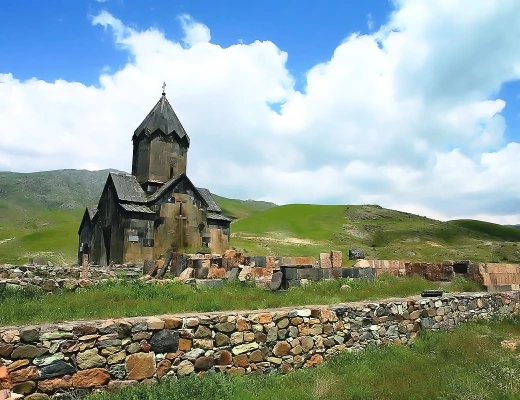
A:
157,208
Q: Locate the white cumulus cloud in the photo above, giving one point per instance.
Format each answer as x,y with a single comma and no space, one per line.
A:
407,117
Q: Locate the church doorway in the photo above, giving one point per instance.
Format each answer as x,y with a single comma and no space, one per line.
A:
107,236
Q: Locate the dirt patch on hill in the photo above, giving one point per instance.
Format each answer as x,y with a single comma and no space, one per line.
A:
6,240
281,240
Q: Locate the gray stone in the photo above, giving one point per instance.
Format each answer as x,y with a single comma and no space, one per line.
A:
313,274
90,359
221,339
307,343
225,327
139,327
202,332
356,254
165,341
427,323
260,261
56,335
42,360
117,371
244,348
59,368
212,283
185,368
28,351
392,331
194,353
30,334
276,281
233,274
272,334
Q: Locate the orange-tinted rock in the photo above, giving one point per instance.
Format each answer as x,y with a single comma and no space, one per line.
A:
52,385
172,323
90,378
163,367
216,273
225,358
281,349
17,365
25,374
242,324
204,363
184,344
286,368
314,360
140,366
265,318
256,356
5,382
241,360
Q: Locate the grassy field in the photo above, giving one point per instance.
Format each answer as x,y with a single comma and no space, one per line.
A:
125,299
302,229
468,363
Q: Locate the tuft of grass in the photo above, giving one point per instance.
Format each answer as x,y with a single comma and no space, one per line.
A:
467,363
126,299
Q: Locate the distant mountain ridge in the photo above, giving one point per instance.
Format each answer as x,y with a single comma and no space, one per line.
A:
61,189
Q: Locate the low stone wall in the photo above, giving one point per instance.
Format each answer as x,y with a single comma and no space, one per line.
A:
51,278
294,270
80,356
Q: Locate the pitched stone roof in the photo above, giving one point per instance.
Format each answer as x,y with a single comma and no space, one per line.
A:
172,182
138,208
127,188
162,118
218,217
208,197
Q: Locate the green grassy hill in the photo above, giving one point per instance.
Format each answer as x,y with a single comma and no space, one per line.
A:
302,229
40,212
240,209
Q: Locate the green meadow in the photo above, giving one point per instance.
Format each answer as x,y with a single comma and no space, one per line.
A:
126,299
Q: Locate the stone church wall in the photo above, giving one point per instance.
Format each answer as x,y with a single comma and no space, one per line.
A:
79,356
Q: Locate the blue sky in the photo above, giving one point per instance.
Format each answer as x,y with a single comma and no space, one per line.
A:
56,39
58,33
410,104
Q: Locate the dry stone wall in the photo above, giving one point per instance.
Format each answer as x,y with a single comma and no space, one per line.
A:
293,271
46,361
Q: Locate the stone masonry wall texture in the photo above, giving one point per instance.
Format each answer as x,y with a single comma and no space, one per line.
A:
49,361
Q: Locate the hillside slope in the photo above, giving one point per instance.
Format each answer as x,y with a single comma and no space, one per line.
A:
239,209
40,212
302,229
